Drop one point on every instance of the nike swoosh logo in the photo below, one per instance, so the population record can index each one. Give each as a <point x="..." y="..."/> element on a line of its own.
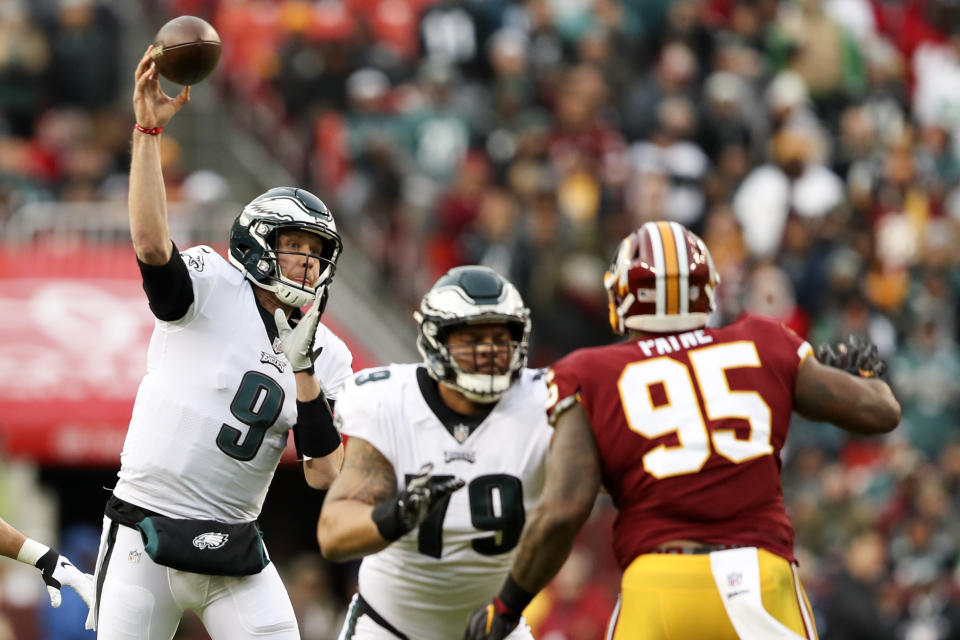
<point x="64" y="563"/>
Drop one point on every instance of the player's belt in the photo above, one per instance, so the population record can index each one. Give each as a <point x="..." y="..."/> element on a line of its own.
<point x="126" y="513"/>
<point x="702" y="549"/>
<point x="364" y="608"/>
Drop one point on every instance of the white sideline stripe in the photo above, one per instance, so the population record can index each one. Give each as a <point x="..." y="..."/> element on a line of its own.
<point x="808" y="628"/>
<point x="612" y="625"/>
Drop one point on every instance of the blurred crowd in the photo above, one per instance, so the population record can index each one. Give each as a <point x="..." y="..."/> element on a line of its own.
<point x="60" y="135"/>
<point x="812" y="143"/>
<point x="64" y="127"/>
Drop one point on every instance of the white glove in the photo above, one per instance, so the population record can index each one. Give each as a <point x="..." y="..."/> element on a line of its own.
<point x="57" y="571"/>
<point x="297" y="343"/>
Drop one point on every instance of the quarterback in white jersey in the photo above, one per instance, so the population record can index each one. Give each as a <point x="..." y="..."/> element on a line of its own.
<point x="217" y="402"/>
<point x="227" y="378"/>
<point x="472" y="417"/>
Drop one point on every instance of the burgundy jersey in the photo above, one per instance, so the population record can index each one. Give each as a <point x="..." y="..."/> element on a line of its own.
<point x="689" y="428"/>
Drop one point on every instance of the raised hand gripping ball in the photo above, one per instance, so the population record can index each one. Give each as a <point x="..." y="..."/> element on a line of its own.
<point x="186" y="50"/>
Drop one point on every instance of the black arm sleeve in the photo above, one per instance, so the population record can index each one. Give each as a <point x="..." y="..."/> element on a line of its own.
<point x="168" y="287"/>
<point x="314" y="434"/>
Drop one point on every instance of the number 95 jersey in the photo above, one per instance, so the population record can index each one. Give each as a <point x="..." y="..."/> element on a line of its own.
<point x="429" y="581"/>
<point x="689" y="428"/>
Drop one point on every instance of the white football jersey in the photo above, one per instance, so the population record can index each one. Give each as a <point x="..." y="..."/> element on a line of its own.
<point x="428" y="582"/>
<point x="213" y="411"/>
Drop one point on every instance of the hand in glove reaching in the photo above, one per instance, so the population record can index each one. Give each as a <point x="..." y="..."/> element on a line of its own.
<point x="297" y="342"/>
<point x="57" y="571"/>
<point x="406" y="510"/>
<point x="491" y="622"/>
<point x="856" y="355"/>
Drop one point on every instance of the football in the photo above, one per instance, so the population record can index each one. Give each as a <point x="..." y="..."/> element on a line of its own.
<point x="186" y="50"/>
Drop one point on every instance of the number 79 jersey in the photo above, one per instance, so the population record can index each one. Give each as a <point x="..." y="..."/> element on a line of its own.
<point x="689" y="428"/>
<point x="429" y="581"/>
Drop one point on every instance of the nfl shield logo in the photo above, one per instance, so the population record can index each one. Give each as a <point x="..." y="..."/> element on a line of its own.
<point x="277" y="346"/>
<point x="460" y="432"/>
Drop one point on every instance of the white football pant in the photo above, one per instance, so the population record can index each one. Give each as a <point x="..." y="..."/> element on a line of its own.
<point x="141" y="600"/>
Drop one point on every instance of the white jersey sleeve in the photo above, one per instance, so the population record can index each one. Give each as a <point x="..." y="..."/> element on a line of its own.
<point x="207" y="270"/>
<point x="360" y="407"/>
<point x="334" y="366"/>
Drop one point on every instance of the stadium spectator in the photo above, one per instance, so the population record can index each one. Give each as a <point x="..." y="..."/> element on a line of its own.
<point x="926" y="376"/>
<point x="793" y="184"/>
<point x="682" y="164"/>
<point x="852" y="607"/>
<point x="85" y="54"/>
<point x="24" y="63"/>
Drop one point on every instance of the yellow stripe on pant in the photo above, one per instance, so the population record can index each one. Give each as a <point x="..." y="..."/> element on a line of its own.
<point x="674" y="597"/>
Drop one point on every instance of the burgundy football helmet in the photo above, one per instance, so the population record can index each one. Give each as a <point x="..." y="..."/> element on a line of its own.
<point x="662" y="280"/>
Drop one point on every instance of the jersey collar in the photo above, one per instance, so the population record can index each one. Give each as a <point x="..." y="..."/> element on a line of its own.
<point x="270" y="324"/>
<point x="449" y="418"/>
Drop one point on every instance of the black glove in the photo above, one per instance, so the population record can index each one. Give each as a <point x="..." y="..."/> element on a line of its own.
<point x="406" y="510"/>
<point x="856" y="355"/>
<point x="492" y="622"/>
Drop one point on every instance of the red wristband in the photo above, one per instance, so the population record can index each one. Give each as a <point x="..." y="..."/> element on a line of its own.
<point x="150" y="132"/>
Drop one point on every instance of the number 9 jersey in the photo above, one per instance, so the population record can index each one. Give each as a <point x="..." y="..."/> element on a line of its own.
<point x="689" y="428"/>
<point x="213" y="411"/>
<point x="428" y="582"/>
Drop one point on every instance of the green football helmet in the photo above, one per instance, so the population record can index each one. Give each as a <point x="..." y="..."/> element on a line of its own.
<point x="465" y="296"/>
<point x="253" y="242"/>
